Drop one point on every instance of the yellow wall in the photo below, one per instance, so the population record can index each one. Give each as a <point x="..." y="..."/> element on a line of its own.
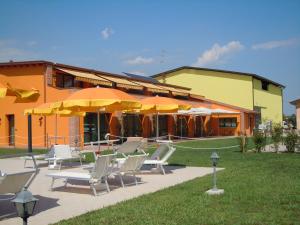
<point x="228" y="88"/>
<point x="270" y="101"/>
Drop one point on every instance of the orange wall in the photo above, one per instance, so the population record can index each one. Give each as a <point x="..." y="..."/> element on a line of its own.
<point x="224" y="131"/>
<point x="28" y="77"/>
<point x="24" y="78"/>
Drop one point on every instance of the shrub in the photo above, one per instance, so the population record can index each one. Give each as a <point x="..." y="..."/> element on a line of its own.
<point x="276" y="134"/>
<point x="243" y="142"/>
<point x="290" y="141"/>
<point x="259" y="140"/>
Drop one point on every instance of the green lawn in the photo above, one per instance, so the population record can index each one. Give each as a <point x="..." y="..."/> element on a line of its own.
<point x="259" y="189"/>
<point x="11" y="151"/>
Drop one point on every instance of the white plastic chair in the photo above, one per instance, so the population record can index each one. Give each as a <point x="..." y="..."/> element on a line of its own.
<point x="99" y="173"/>
<point x="62" y="153"/>
<point x="131" y="165"/>
<point x="160" y="157"/>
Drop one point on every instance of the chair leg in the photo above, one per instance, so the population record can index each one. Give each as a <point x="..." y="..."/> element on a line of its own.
<point x="106" y="183"/>
<point x="121" y="179"/>
<point x="94" y="189"/>
<point x="66" y="182"/>
<point x="162" y="169"/>
<point x="135" y="180"/>
<point x="52" y="183"/>
<point x="25" y="163"/>
<point x="80" y="160"/>
<point x="60" y="165"/>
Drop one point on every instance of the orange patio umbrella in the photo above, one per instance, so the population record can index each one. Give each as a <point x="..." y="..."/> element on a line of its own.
<point x="48" y="109"/>
<point x="99" y="99"/>
<point x="159" y="104"/>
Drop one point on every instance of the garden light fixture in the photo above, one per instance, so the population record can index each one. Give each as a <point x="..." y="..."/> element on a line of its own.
<point x="25" y="204"/>
<point x="215" y="191"/>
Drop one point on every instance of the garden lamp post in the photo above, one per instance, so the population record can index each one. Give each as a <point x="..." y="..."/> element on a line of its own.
<point x="215" y="191"/>
<point x="24" y="203"/>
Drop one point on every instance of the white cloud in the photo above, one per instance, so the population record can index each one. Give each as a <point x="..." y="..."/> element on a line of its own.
<point x="107" y="32"/>
<point x="275" y="44"/>
<point x="139" y="60"/>
<point x="217" y="53"/>
<point x="31" y="43"/>
<point x="8" y="51"/>
<point x="138" y="73"/>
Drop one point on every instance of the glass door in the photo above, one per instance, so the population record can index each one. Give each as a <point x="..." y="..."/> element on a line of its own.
<point x="91" y="126"/>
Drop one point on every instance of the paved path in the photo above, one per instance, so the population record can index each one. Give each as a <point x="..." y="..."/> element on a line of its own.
<point x="75" y="200"/>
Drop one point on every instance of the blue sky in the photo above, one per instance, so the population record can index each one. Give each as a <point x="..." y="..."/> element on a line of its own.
<point x="148" y="37"/>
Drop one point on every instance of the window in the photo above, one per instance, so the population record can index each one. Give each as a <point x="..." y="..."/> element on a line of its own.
<point x="265" y="85"/>
<point x="257" y="118"/>
<point x="181" y="97"/>
<point x="64" y="81"/>
<point x="227" y="122"/>
<point x="161" y="94"/>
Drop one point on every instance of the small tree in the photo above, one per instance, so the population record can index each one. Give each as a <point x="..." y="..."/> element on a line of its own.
<point x="290" y="141"/>
<point x="276" y="135"/>
<point x="243" y="142"/>
<point x="259" y="140"/>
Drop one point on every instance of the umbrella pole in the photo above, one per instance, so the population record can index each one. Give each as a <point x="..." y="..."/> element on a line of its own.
<point x="181" y="127"/>
<point x="55" y="138"/>
<point x="157" y="128"/>
<point x="122" y="128"/>
<point x="98" y="126"/>
<point x="29" y="119"/>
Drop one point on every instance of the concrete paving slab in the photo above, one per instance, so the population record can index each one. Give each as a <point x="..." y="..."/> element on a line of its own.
<point x="77" y="197"/>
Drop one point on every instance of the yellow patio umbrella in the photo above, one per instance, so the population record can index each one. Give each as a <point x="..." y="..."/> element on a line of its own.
<point x="99" y="99"/>
<point x="3" y="90"/>
<point x="159" y="104"/>
<point x="49" y="109"/>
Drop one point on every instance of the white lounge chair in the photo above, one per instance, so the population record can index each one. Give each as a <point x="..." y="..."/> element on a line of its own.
<point x="160" y="157"/>
<point x="130" y="146"/>
<point x="131" y="165"/>
<point x="49" y="154"/>
<point x="14" y="182"/>
<point x="99" y="173"/>
<point x="62" y="153"/>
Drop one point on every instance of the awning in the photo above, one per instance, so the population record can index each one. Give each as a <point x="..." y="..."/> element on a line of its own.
<point x="196" y="96"/>
<point x="205" y="111"/>
<point x="152" y="87"/>
<point x="175" y="91"/>
<point x="223" y="111"/>
<point x="26" y="94"/>
<point x="21" y="94"/>
<point x="3" y="90"/>
<point x="123" y="82"/>
<point x="87" y="77"/>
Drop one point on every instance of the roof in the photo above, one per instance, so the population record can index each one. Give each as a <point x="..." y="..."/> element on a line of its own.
<point x="141" y="78"/>
<point x="106" y="78"/>
<point x="218" y="70"/>
<point x="131" y="77"/>
<point x="295" y="102"/>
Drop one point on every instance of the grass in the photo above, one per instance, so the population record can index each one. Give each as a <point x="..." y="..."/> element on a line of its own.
<point x="259" y="189"/>
<point x="11" y="151"/>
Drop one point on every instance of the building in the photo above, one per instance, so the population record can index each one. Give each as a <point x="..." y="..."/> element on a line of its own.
<point x="32" y="83"/>
<point x="245" y="90"/>
<point x="296" y="103"/>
